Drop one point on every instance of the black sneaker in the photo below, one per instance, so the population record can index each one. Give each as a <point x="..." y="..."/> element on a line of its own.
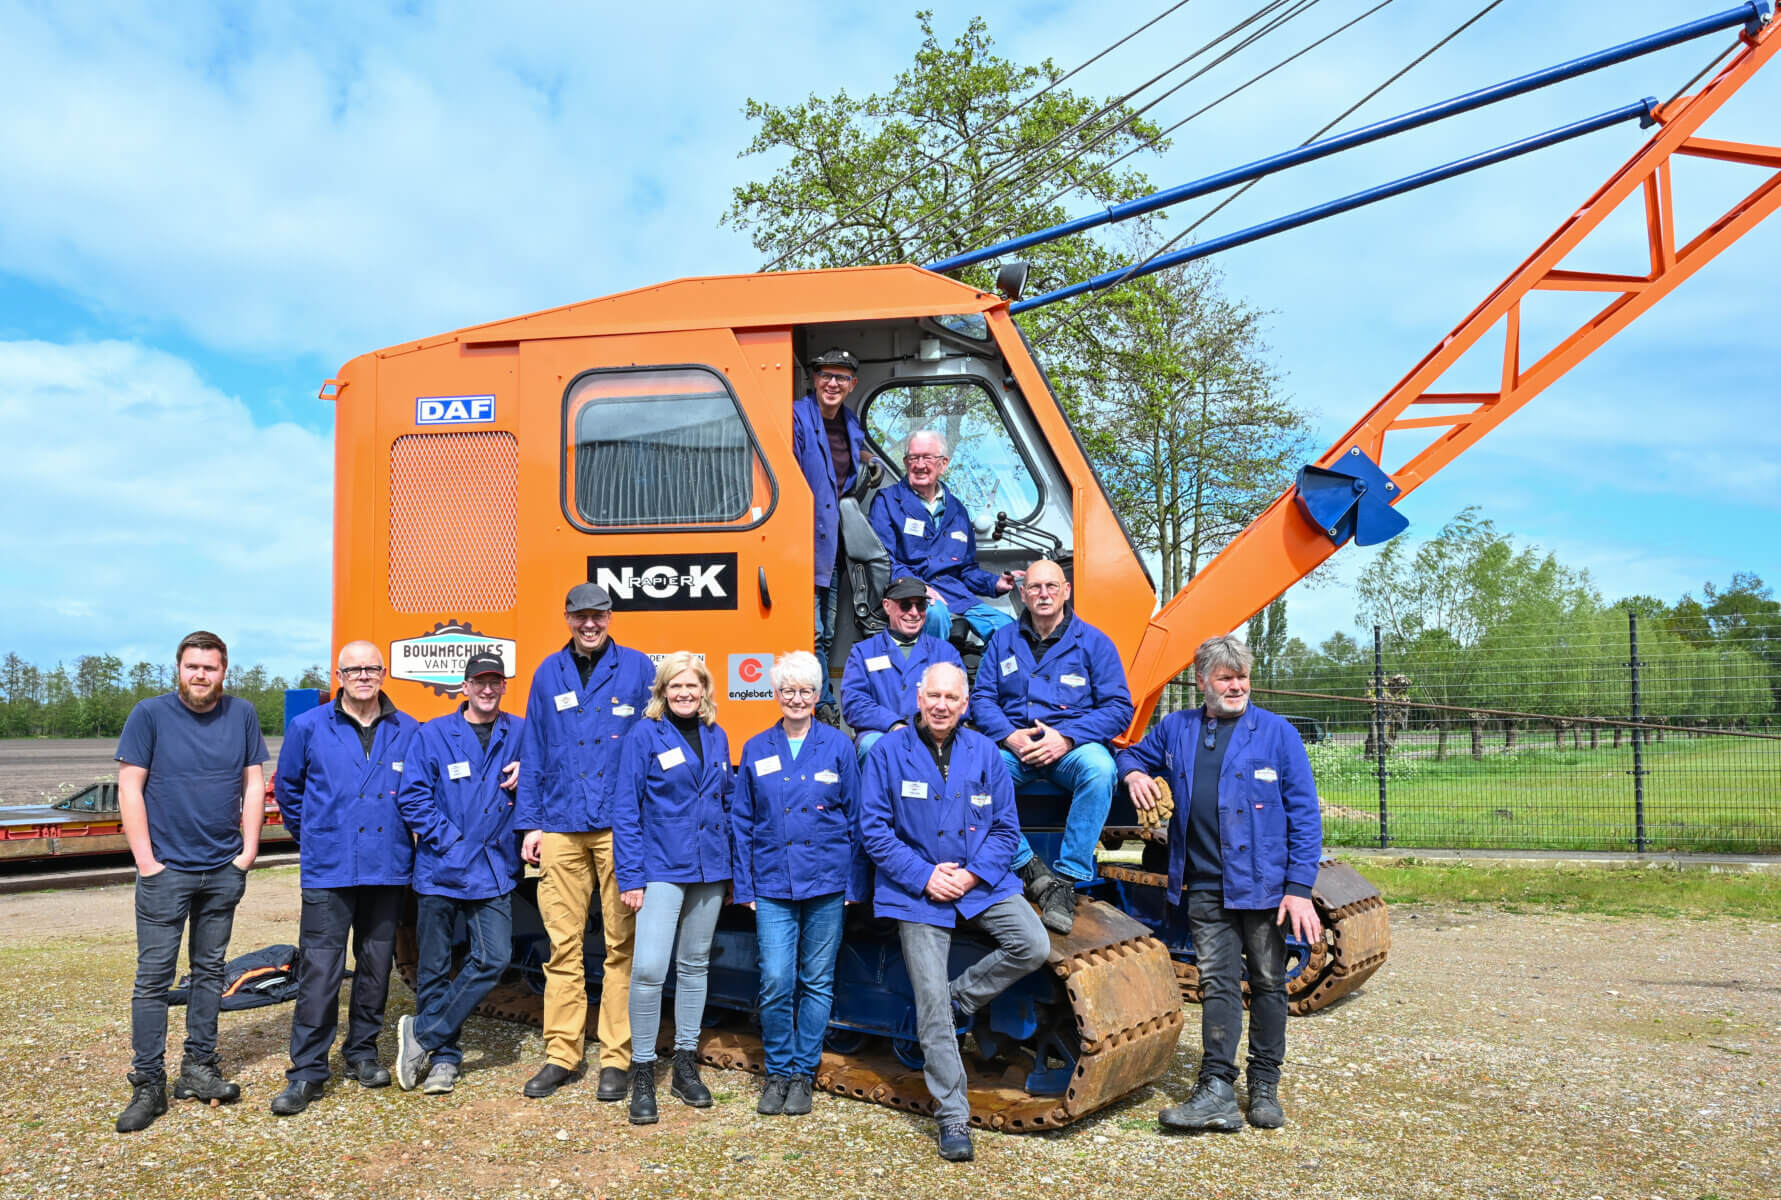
<point x="686" y="1083"/>
<point x="1211" y="1109"/>
<point x="201" y="1080"/>
<point x="1264" y="1104"/>
<point x="643" y="1093"/>
<point x="955" y="1142"/>
<point x="1035" y="878"/>
<point x="147" y="1101"/>
<point x="549" y="1078"/>
<point x="773" y="1096"/>
<point x="828" y="714"/>
<point x="367" y="1072"/>
<point x="797" y="1096"/>
<point x="295" y="1098"/>
<point x="1057" y="909"/>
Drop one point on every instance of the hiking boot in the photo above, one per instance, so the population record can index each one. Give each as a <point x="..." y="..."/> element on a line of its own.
<point x="550" y="1077"/>
<point x="295" y="1098"/>
<point x="955" y="1142"/>
<point x="614" y="1083"/>
<point x="368" y="1073"/>
<point x="1211" y="1109"/>
<point x="200" y="1080"/>
<point x="147" y="1101"/>
<point x="411" y="1056"/>
<point x="829" y="715"/>
<point x="643" y="1093"/>
<point x="441" y="1079"/>
<point x="1264" y="1104"/>
<point x="773" y="1096"/>
<point x="797" y="1096"/>
<point x="686" y="1083"/>
<point x="1057" y="909"/>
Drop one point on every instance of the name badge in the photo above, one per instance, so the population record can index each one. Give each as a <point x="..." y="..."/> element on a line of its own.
<point x="1266" y="774"/>
<point x="914" y="528"/>
<point x="1010" y="665"/>
<point x="671" y="758"/>
<point x="458" y="770"/>
<point x="564" y="700"/>
<point x="623" y="710"/>
<point x="878" y="662"/>
<point x="826" y="777"/>
<point x="1071" y="680"/>
<point x="767" y="765"/>
<point x="915" y="789"/>
<point x="958" y="535"/>
<point x="396" y="766"/>
<point x="981" y="799"/>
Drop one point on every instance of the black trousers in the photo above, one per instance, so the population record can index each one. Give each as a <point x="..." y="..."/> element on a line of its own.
<point x="1227" y="940"/>
<point x="369" y="915"/>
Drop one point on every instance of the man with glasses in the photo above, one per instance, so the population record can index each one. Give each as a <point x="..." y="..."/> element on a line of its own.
<point x="831" y="448"/>
<point x="1052" y="690"/>
<point x="878" y="688"/>
<point x="1244" y="842"/>
<point x="929" y="536"/>
<point x="338" y="773"/>
<point x="584" y="699"/>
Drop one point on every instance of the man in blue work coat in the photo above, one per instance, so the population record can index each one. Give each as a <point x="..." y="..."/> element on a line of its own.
<point x="1052" y="691"/>
<point x="1244" y="842"/>
<point x="831" y="450"/>
<point x="584" y="699"/>
<point x="457" y="798"/>
<point x="884" y="671"/>
<point x="336" y="783"/>
<point x="937" y="818"/>
<point x="929" y="535"/>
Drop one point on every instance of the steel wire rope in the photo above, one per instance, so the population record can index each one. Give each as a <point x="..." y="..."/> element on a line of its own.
<point x="1058" y="82"/>
<point x="921" y="226"/>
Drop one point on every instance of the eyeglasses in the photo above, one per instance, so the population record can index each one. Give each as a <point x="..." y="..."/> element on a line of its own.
<point x="484" y="685"/>
<point x="360" y="672"/>
<point x="833" y="377"/>
<point x="912" y="459"/>
<point x="1044" y="589"/>
<point x="797" y="693"/>
<point x="919" y="604"/>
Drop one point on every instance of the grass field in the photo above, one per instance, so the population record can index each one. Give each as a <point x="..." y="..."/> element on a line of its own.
<point x="1643" y="890"/>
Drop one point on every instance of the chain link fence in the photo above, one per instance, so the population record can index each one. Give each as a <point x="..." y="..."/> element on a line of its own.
<point x="1633" y="734"/>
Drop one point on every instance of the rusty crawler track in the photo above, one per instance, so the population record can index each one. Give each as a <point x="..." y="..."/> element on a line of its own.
<point x="1123" y="995"/>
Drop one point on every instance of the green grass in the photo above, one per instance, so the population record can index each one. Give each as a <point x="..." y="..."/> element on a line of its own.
<point x="1704" y="795"/>
<point x="1631" y="890"/>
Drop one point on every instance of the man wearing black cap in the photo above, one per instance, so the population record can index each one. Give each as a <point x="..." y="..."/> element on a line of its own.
<point x="878" y="688"/>
<point x="830" y="445"/>
<point x="584" y="699"/>
<point x="456" y="799"/>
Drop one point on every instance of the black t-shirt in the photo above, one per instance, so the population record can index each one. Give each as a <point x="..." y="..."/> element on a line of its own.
<point x="1205" y="861"/>
<point x="840" y="448"/>
<point x="584" y="663"/>
<point x="194" y="762"/>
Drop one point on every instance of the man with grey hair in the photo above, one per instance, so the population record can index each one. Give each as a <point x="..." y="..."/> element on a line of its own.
<point x="1244" y="842"/>
<point x="929" y="536"/>
<point x="937" y="816"/>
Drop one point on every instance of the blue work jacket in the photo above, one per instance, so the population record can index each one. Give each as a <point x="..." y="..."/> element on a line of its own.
<point x="467" y="846"/>
<point x="1270" y="830"/>
<point x="670" y="812"/>
<point x="911" y="820"/>
<point x="810" y="443"/>
<point x="1079" y="689"/>
<point x="878" y="685"/>
<point x="941" y="553"/>
<point x="340" y="806"/>
<point x="796" y="820"/>
<point x="573" y="737"/>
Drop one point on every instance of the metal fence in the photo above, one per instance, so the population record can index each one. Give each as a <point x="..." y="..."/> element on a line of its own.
<point x="1647" y="735"/>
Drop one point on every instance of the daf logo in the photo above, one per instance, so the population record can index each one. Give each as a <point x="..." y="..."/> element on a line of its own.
<point x="666" y="582"/>
<point x="454" y="410"/>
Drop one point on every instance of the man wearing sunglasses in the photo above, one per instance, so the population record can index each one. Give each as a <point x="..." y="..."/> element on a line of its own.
<point x="878" y="688"/>
<point x="1052" y="690"/>
<point x="338" y="773"/>
<point x="1244" y="842"/>
<point x="830" y="447"/>
<point x="929" y="536"/>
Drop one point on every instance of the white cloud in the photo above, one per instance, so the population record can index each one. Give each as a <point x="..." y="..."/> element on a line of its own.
<point x="144" y="504"/>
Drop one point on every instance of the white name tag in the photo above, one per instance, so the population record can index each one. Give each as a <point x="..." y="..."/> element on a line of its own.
<point x="914" y="528"/>
<point x="878" y="662"/>
<point x="981" y="799"/>
<point x="671" y="758"/>
<point x="1071" y="680"/>
<point x="915" y="789"/>
<point x="958" y="535"/>
<point x="767" y="765"/>
<point x="458" y="770"/>
<point x="564" y="700"/>
<point x="826" y="777"/>
<point x="1266" y="774"/>
<point x="1010" y="665"/>
<point x="396" y="766"/>
<point x="623" y="710"/>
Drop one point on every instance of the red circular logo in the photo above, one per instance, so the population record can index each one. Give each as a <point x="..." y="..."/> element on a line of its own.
<point x="750" y="670"/>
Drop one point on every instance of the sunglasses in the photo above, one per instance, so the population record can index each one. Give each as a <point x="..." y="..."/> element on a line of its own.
<point x="1211" y="740"/>
<point x="919" y="604"/>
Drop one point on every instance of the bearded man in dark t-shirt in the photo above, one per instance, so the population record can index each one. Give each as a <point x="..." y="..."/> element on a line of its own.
<point x="191" y="792"/>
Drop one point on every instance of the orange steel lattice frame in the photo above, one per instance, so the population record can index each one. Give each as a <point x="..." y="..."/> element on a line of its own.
<point x="1281" y="547"/>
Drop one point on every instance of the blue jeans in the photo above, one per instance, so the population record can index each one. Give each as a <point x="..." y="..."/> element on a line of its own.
<point x="680" y="918"/>
<point x="1087" y="773"/>
<point x="165" y="903"/>
<point x="828" y="600"/>
<point x="443" y="1002"/>
<point x="982" y="617"/>
<point x="1225" y="941"/>
<point x="798" y="941"/>
<point x="867" y="740"/>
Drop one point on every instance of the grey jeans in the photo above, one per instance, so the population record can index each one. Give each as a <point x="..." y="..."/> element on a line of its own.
<point x="166" y="903"/>
<point x="690" y="908"/>
<point x="1021" y="946"/>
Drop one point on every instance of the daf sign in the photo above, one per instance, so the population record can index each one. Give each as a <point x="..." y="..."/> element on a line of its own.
<point x="454" y="410"/>
<point x="666" y="582"/>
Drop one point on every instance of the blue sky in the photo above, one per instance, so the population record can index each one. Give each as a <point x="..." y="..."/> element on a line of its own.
<point x="209" y="207"/>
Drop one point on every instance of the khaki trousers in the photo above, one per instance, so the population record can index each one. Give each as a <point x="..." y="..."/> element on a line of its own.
<point x="572" y="867"/>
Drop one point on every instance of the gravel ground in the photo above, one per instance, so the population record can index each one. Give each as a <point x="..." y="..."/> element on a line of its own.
<point x="1498" y="1054"/>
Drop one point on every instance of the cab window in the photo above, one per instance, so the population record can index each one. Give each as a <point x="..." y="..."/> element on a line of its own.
<point x="987" y="472"/>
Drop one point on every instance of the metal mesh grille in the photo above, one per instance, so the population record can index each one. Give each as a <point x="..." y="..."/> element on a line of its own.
<point x="452" y="518"/>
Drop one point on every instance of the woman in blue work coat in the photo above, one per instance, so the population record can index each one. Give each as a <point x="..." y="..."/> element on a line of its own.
<point x="798" y="860"/>
<point x="670" y="809"/>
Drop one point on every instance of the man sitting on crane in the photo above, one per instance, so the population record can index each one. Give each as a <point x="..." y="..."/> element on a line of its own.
<point x="884" y="671"/>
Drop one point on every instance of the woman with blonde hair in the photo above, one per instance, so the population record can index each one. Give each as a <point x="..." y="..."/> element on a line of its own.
<point x="671" y="842"/>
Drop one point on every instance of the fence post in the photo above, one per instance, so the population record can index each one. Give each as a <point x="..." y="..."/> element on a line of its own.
<point x="1379" y="733"/>
<point x="1640" y="842"/>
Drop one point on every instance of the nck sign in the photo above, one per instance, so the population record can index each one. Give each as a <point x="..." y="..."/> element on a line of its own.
<point x="666" y="582"/>
<point x="454" y="410"/>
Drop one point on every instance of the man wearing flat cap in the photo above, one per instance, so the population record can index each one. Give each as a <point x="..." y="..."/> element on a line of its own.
<point x="883" y="675"/>
<point x="584" y="699"/>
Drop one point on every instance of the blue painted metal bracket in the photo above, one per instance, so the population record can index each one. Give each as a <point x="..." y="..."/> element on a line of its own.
<point x="1351" y="498"/>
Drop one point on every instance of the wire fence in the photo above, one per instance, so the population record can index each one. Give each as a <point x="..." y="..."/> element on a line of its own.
<point x="1658" y="735"/>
